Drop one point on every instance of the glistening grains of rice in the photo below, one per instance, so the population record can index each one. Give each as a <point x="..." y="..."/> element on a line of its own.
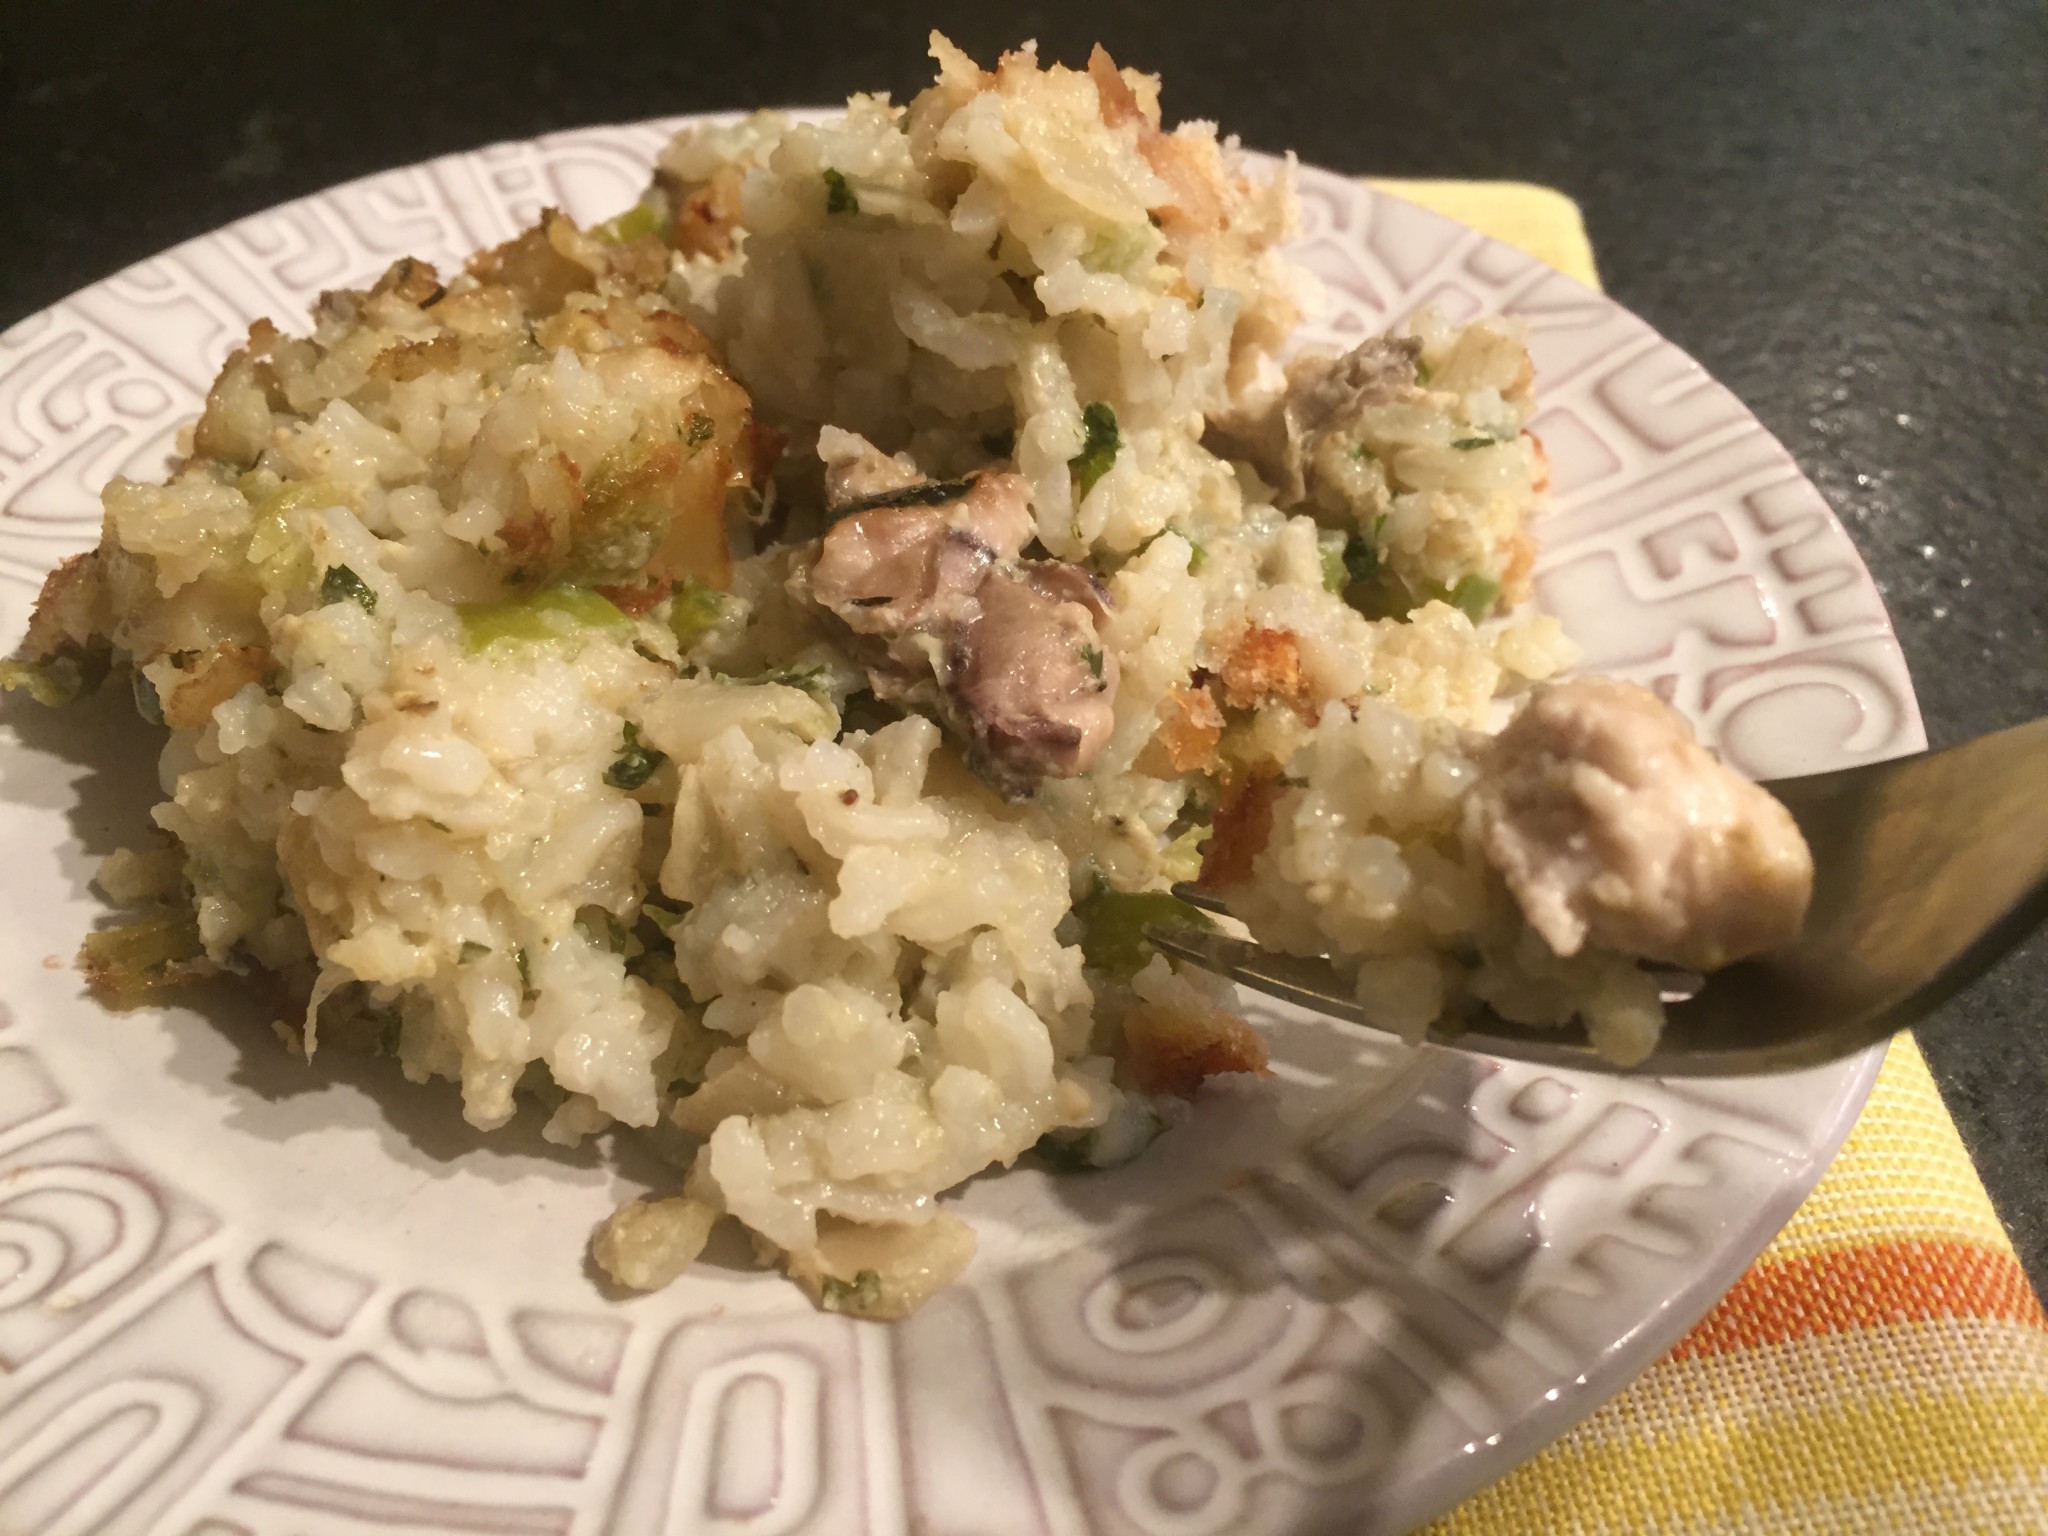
<point x="754" y="666"/>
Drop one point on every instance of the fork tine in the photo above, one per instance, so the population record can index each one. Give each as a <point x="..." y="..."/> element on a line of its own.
<point x="1313" y="983"/>
<point x="1195" y="896"/>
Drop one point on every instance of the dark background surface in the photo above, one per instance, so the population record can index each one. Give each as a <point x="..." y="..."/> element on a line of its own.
<point x="1838" y="208"/>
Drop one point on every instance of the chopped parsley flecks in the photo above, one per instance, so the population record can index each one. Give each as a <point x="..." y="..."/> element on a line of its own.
<point x="1065" y="1151"/>
<point x="635" y="764"/>
<point x="1099" y="444"/>
<point x="811" y="679"/>
<point x="932" y="493"/>
<point x="603" y="930"/>
<point x="1197" y="555"/>
<point x="839" y="196"/>
<point x="1355" y="560"/>
<point x="1361" y="557"/>
<point x="863" y="1293"/>
<point x="342" y="585"/>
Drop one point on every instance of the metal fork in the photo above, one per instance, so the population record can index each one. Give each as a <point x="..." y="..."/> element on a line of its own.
<point x="1927" y="870"/>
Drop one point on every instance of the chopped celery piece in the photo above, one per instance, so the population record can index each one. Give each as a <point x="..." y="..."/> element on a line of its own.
<point x="128" y="966"/>
<point x="1183" y="857"/>
<point x="1113" y="925"/>
<point x="549" y="615"/>
<point x="1474" y="596"/>
<point x="1118" y="250"/>
<point x="662" y="917"/>
<point x="59" y="679"/>
<point x="693" y="609"/>
<point x="1331" y="548"/>
<point x="640" y="220"/>
<point x="283" y="560"/>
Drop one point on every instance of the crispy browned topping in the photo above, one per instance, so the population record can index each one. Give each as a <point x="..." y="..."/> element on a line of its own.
<point x="411" y="279"/>
<point x="1243" y="827"/>
<point x="541" y="265"/>
<point x="1173" y="1049"/>
<point x="416" y="359"/>
<point x="1190" y="726"/>
<point x="72" y="609"/>
<point x="1264" y="668"/>
<point x="706" y="217"/>
<point x="212" y="680"/>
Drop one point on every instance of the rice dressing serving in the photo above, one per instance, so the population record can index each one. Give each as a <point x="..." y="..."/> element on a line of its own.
<point x="750" y="670"/>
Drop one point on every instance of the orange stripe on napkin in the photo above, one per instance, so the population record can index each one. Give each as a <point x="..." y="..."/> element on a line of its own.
<point x="1864" y="1287"/>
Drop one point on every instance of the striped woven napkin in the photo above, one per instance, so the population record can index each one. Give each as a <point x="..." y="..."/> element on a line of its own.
<point x="1883" y="1367"/>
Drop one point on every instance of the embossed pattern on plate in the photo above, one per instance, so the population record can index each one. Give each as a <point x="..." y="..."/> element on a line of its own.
<point x="236" y="1299"/>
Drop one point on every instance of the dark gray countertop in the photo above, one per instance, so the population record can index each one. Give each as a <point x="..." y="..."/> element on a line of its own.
<point x="1837" y="208"/>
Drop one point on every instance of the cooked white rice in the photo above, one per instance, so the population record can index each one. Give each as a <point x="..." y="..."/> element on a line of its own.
<point x="663" y="857"/>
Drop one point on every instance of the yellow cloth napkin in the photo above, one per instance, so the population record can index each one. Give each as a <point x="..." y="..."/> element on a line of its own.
<point x="1882" y="1368"/>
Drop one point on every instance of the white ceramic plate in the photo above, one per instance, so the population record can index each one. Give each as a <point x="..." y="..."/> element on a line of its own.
<point x="238" y="1295"/>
